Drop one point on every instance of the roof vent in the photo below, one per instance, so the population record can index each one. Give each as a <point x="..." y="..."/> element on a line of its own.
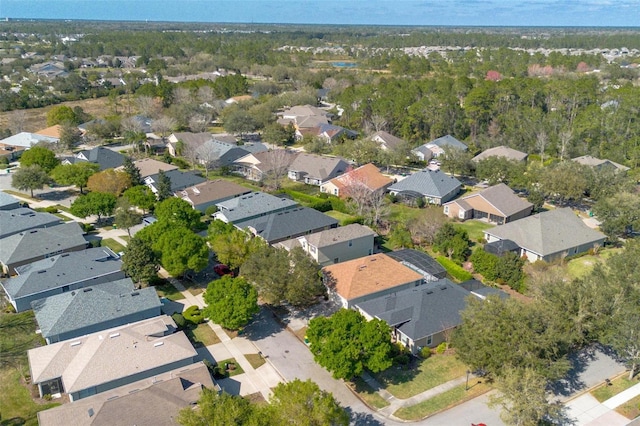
<point x="85" y="290"/>
<point x="158" y="344"/>
<point x="114" y="335"/>
<point x="64" y="255"/>
<point x="429" y="291"/>
<point x="91" y="412"/>
<point x="443" y="287"/>
<point x="135" y="293"/>
<point x="42" y="272"/>
<point x="76" y="343"/>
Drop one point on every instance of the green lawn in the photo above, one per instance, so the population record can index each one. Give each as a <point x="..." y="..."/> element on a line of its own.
<point x="581" y="266"/>
<point x="168" y="291"/>
<point x="631" y="408"/>
<point x="234" y="372"/>
<point x="403" y="213"/>
<point x="441" y="402"/>
<point x="17" y="406"/>
<point x="367" y="394"/>
<point x="429" y="373"/>
<point x="255" y="360"/>
<point x="342" y="217"/>
<point x="112" y="244"/>
<point x="205" y="335"/>
<point x="474" y="228"/>
<point x="605" y="392"/>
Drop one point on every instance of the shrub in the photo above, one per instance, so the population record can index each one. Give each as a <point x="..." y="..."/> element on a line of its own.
<point x="323" y="195"/>
<point x="87" y="227"/>
<point x="338" y="204"/>
<point x="351" y="220"/>
<point x="193" y="314"/>
<point x="484" y="263"/>
<point x="322" y="206"/>
<point x="180" y="321"/>
<point x="47" y="397"/>
<point x="211" y="210"/>
<point x="182" y="164"/>
<point x="94" y="243"/>
<point x="402" y="359"/>
<point x="454" y="269"/>
<point x="425" y="352"/>
<point x="442" y="347"/>
<point x="210" y="366"/>
<point x="9" y="309"/>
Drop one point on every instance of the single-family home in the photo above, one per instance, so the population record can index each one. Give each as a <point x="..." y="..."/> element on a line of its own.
<point x="179" y="180"/>
<point x="149" y="167"/>
<point x="27" y="140"/>
<point x="387" y="141"/>
<point x="103" y="157"/>
<point x="599" y="164"/>
<point x="216" y="154"/>
<point x="35" y="244"/>
<point x="335" y="245"/>
<point x="301" y="113"/>
<point x="354" y="181"/>
<point x="438" y="147"/>
<point x="356" y="281"/>
<point x="419" y="317"/>
<point x="496" y="204"/>
<point x="503" y="152"/>
<point x="52" y="131"/>
<point x="91" y="309"/>
<point x="253" y="205"/>
<point x="433" y="185"/>
<point x="153" y="401"/>
<point x="549" y="235"/>
<point x="8" y="202"/>
<point x="260" y="165"/>
<point x="211" y="192"/>
<point x="99" y="362"/>
<point x="24" y="219"/>
<point x="60" y="274"/>
<point x="179" y="143"/>
<point x="286" y="224"/>
<point x="420" y="262"/>
<point x="315" y="169"/>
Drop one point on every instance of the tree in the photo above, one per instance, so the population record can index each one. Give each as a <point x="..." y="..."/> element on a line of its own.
<point x="180" y="250"/>
<point x="231" y="302"/>
<point x="457" y="161"/>
<point x="453" y="242"/>
<point x="77" y="174"/>
<point x="619" y="214"/>
<point x="279" y="135"/>
<point x="94" y="203"/>
<point x="523" y="398"/>
<point x="163" y="186"/>
<point x="140" y="196"/>
<point x="109" y="181"/>
<point x="132" y="171"/>
<point x="565" y="181"/>
<point x="220" y="409"/>
<point x="238" y="121"/>
<point x="268" y="270"/>
<point x="304" y="285"/>
<point x="177" y="211"/>
<point x="304" y="404"/>
<point x="278" y="161"/>
<point x="623" y="334"/>
<point x="232" y="246"/>
<point x="125" y="217"/>
<point x="400" y="237"/>
<point x="29" y="178"/>
<point x="61" y="114"/>
<point x="346" y="343"/>
<point x="41" y="156"/>
<point x="70" y="136"/>
<point x="139" y="261"/>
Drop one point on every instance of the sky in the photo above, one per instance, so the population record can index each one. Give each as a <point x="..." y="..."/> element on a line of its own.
<point x="605" y="13"/>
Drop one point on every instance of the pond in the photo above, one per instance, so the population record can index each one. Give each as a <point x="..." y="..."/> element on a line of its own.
<point x="344" y="64"/>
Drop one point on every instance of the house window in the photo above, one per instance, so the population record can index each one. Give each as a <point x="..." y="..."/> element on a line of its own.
<point x="350" y="243"/>
<point x="429" y="340"/>
<point x="336" y="260"/>
<point x="312" y="249"/>
<point x="446" y="209"/>
<point x="335" y="191"/>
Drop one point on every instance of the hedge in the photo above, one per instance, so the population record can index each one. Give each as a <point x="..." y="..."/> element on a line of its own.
<point x="455" y="270"/>
<point x="193" y="314"/>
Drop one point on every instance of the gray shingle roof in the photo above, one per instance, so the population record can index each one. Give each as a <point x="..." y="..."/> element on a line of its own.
<point x="289" y="223"/>
<point x="421" y="311"/>
<point x="419" y="261"/>
<point x="333" y="236"/>
<point x="40" y="242"/>
<point x="501" y="151"/>
<point x="61" y="270"/>
<point x="428" y="183"/>
<point x="547" y="233"/>
<point x="590" y="161"/>
<point x="448" y="141"/>
<point x="76" y="310"/>
<point x="23" y="219"/>
<point x="318" y="167"/>
<point x="8" y="202"/>
<point x="104" y="157"/>
<point x="390" y="141"/>
<point x="252" y="205"/>
<point x="179" y="179"/>
<point x="502" y="198"/>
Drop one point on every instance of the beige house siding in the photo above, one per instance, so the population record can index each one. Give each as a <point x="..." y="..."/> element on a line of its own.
<point x="343" y="251"/>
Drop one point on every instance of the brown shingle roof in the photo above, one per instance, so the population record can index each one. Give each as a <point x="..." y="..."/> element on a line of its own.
<point x="149" y="166"/>
<point x="214" y="190"/>
<point x="53" y="131"/>
<point x="369" y="175"/>
<point x="367" y="275"/>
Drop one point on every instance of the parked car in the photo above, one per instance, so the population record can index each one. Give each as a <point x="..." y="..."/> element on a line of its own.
<point x="222" y="269"/>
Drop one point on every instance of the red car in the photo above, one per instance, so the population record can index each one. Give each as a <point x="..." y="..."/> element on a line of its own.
<point x="222" y="269"/>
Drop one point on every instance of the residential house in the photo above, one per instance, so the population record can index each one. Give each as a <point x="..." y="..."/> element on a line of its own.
<point x="335" y="245"/>
<point x="481" y="291"/>
<point x="387" y="141"/>
<point x="286" y="224"/>
<point x="422" y="153"/>
<point x="438" y="147"/>
<point x="548" y="236"/>
<point x="315" y="169"/>
<point x="52" y="131"/>
<point x="420" y="262"/>
<point x="27" y="140"/>
<point x="212" y="192"/>
<point x="433" y="185"/>
<point x="261" y="165"/>
<point x="598" y="164"/>
<point x="49" y="70"/>
<point x="497" y="204"/>
<point x="8" y="202"/>
<point x="111" y="358"/>
<point x="149" y="167"/>
<point x="216" y="154"/>
<point x="60" y="274"/>
<point x="23" y="219"/>
<point x="253" y="205"/>
<point x="419" y="317"/>
<point x="301" y="113"/>
<point x="250" y="206"/>
<point x="11" y="152"/>
<point x="190" y="141"/>
<point x="503" y="152"/>
<point x="366" y="177"/>
<point x="35" y="244"/>
<point x="327" y="132"/>
<point x="153" y="401"/>
<point x="179" y="180"/>
<point x="91" y="309"/>
<point x="105" y="158"/>
<point x="356" y="281"/>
